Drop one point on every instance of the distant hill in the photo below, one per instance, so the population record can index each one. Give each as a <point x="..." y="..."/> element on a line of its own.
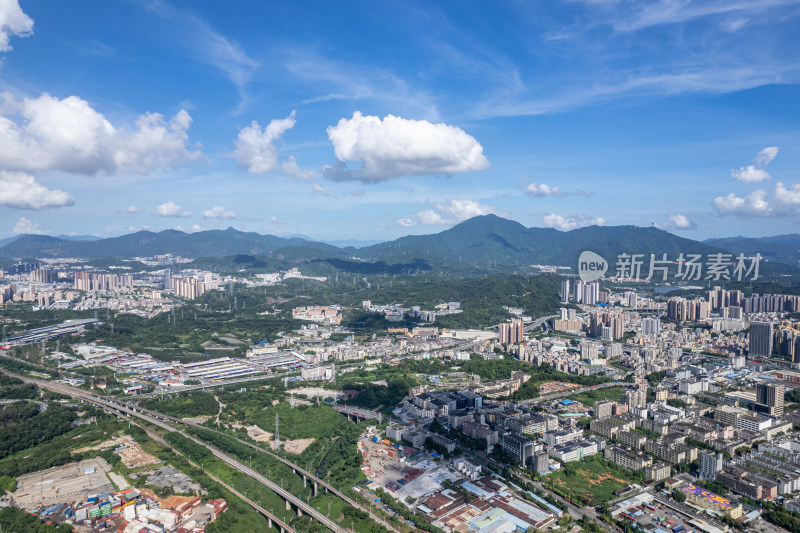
<point x="78" y="237"/>
<point x="780" y="248"/>
<point x="212" y="243"/>
<point x="485" y="239"/>
<point x="483" y="243"/>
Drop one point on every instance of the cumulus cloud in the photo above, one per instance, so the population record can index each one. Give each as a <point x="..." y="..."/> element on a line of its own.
<point x="13" y="21"/>
<point x="787" y="200"/>
<point x="25" y="226"/>
<point x="47" y="133"/>
<point x="406" y="222"/>
<point x="570" y="222"/>
<point x="256" y="150"/>
<point x="753" y="204"/>
<point x="395" y="146"/>
<point x="682" y="222"/>
<point x="749" y="174"/>
<point x="22" y="191"/>
<point x="755" y="173"/>
<point x="133" y="209"/>
<point x="218" y="212"/>
<point x="542" y="190"/>
<point x="452" y="212"/>
<point x="171" y="209"/>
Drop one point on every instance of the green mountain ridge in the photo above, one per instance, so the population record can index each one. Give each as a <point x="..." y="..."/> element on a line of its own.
<point x="482" y="243"/>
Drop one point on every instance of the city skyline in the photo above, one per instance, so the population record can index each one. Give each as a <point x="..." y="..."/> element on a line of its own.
<point x="340" y="121"/>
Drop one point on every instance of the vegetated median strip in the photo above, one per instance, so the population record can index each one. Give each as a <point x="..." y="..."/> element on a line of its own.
<point x="302" y="472"/>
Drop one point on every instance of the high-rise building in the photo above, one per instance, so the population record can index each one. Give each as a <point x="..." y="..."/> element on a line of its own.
<point x="651" y="326"/>
<point x="517" y="330"/>
<point x="578" y="291"/>
<point x="591" y="293"/>
<point x="505" y="333"/>
<point x="710" y="464"/>
<point x="770" y="398"/>
<point x="541" y="462"/>
<point x="43" y="275"/>
<point x="634" y="398"/>
<point x="565" y="290"/>
<point x="760" y="342"/>
<point x="603" y="409"/>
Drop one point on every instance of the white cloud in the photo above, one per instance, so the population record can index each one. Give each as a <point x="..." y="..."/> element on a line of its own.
<point x="25" y="225"/>
<point x="787" y="200"/>
<point x="319" y="189"/>
<point x="218" y="212"/>
<point x="430" y="218"/>
<point x="570" y="222"/>
<point x="676" y="12"/>
<point x="406" y="222"/>
<point x="171" y="209"/>
<point x="682" y="222"/>
<point x="753" y="204"/>
<point x="766" y="156"/>
<point x="255" y="148"/>
<point x="290" y="167"/>
<point x="207" y="45"/>
<point x="132" y="210"/>
<point x="13" y="21"/>
<point x="22" y="191"/>
<point x="156" y="144"/>
<point x="542" y="190"/>
<point x="46" y="133"/>
<point x="749" y="174"/>
<point x="452" y="212"/>
<point x="756" y="173"/>
<point x="395" y="146"/>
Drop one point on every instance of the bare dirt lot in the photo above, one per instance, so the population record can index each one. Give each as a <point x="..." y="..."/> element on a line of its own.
<point x="557" y="386"/>
<point x="297" y="446"/>
<point x="135" y="456"/>
<point x="63" y="483"/>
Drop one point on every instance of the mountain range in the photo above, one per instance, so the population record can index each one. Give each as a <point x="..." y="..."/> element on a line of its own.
<point x="479" y="242"/>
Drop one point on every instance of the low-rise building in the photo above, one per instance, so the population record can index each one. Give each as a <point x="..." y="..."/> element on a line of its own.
<point x="563" y="436"/>
<point x="705" y="499"/>
<point x="657" y="472"/>
<point x="625" y="458"/>
<point x="573" y="451"/>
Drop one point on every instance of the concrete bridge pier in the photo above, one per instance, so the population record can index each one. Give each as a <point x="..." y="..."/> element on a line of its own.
<point x="316" y="489"/>
<point x="288" y="506"/>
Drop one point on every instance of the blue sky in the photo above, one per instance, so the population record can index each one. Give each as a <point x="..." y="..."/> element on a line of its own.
<point x="360" y="120"/>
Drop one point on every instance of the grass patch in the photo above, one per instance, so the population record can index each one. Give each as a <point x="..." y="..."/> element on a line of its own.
<point x="591" y="482"/>
<point x="588" y="398"/>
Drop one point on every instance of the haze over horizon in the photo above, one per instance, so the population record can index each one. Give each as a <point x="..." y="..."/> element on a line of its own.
<point x="340" y="122"/>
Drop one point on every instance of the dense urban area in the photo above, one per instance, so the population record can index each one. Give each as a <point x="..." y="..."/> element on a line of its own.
<point x="154" y="395"/>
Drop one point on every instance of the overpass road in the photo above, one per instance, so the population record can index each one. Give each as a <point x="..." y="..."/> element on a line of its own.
<point x="158" y="420"/>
